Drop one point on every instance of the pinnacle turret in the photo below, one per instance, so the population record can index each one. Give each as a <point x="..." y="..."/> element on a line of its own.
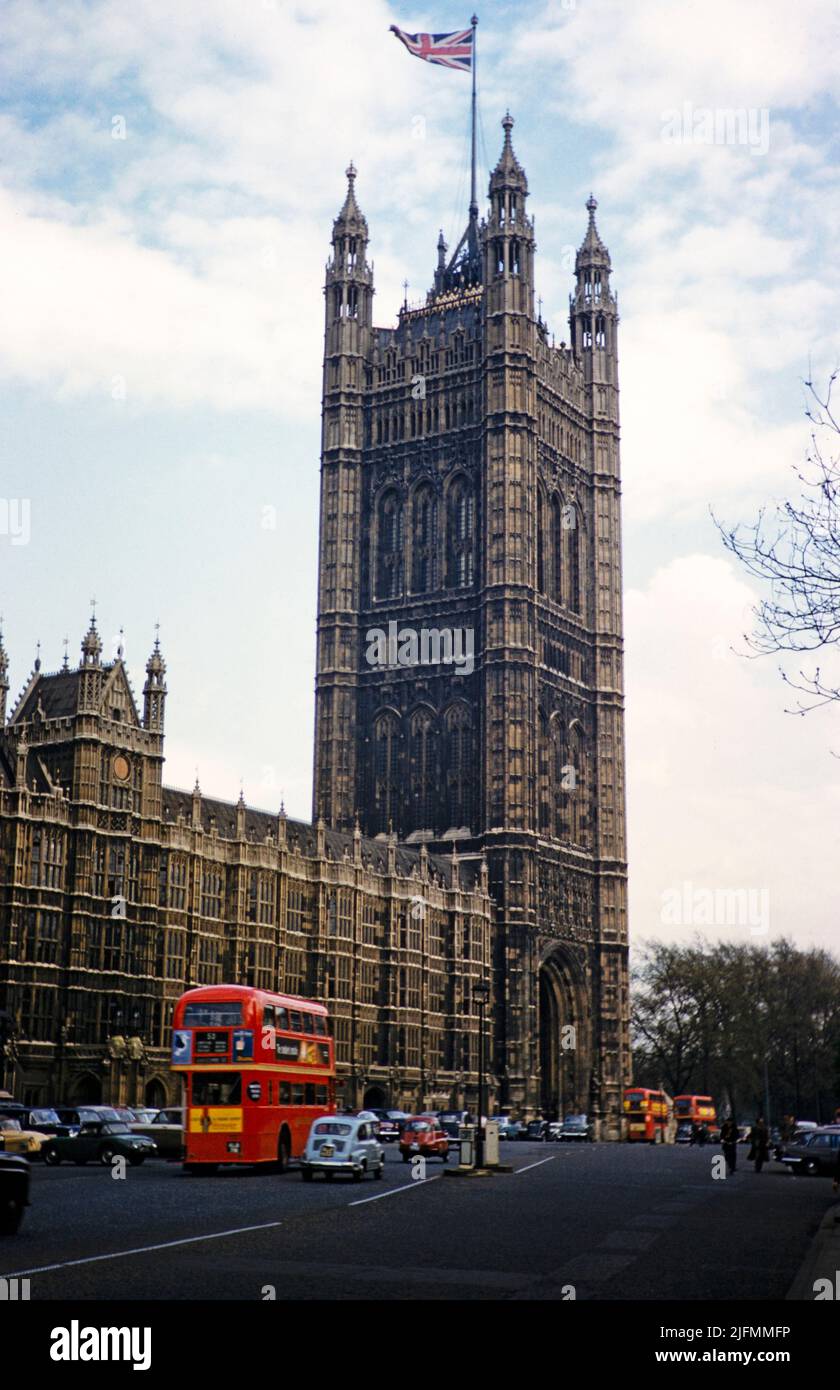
<point x="508" y="173"/>
<point x="91" y="645"/>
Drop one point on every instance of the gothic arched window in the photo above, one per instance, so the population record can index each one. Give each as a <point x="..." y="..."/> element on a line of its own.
<point x="459" y="771"/>
<point x="572" y="529"/>
<point x="389" y="564"/>
<point x="460" y="535"/>
<point x="541" y="585"/>
<point x="422" y="771"/>
<point x="386" y="765"/>
<point x="559" y="777"/>
<point x="577" y="789"/>
<point x="557" y="548"/>
<point x="424" y="565"/>
<point x="544" y="818"/>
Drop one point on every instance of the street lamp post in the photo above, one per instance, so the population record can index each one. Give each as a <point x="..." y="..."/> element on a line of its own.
<point x="481" y="991"/>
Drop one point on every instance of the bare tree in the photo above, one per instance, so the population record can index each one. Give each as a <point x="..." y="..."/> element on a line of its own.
<point x="797" y="550"/>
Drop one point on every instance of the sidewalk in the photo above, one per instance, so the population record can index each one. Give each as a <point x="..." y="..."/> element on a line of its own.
<point x="822" y="1260"/>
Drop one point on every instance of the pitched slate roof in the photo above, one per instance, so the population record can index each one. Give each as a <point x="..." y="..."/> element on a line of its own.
<point x="303" y="837"/>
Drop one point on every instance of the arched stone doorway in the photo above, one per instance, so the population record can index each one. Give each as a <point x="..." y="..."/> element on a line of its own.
<point x="374" y="1098"/>
<point x="564" y="1037"/>
<point x="155" y="1094"/>
<point x="87" y="1090"/>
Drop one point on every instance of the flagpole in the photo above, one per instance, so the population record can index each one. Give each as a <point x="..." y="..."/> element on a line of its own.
<point x="473" y="200"/>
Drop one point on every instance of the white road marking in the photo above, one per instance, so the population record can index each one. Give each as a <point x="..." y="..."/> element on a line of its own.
<point x="409" y="1187"/>
<point x="539" y="1163"/>
<point x="141" y="1250"/>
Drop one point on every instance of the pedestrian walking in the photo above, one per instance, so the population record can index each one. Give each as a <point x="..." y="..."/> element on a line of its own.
<point x="729" y="1143"/>
<point x="759" y="1144"/>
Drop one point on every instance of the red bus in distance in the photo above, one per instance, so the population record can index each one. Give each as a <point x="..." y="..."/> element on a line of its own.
<point x="700" y="1110"/>
<point x="646" y="1113"/>
<point x="257" y="1069"/>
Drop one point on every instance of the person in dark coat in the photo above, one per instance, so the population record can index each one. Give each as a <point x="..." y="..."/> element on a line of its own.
<point x="729" y="1143"/>
<point x="759" y="1144"/>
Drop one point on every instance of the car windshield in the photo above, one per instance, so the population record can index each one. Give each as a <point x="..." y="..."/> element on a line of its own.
<point x="417" y="1126"/>
<point x="332" y="1127"/>
<point x="44" y="1117"/>
<point x="6" y="1123"/>
<point x="575" y="1121"/>
<point x="168" y="1117"/>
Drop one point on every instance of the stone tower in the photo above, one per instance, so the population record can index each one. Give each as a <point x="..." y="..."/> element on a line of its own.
<point x="469" y="677"/>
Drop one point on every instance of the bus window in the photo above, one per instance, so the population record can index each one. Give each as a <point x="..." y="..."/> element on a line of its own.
<point x="217" y="1088"/>
<point x="294" y="1021"/>
<point x="320" y="1025"/>
<point x="284" y="1093"/>
<point x="271" y="1092"/>
<point x="297" y="1094"/>
<point x="212" y="1015"/>
<point x="268" y="1016"/>
<point x="282" y="1016"/>
<point x="310" y="1093"/>
<point x="320" y="1095"/>
<point x="308" y="1023"/>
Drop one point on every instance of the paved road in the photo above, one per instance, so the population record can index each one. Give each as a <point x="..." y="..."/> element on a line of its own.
<point x="613" y="1221"/>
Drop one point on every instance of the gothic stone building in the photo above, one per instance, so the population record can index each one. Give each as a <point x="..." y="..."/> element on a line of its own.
<point x="468" y="790"/>
<point x="470" y="503"/>
<point x="117" y="893"/>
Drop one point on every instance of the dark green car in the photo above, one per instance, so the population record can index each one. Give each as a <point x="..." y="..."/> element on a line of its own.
<point x="101" y="1140"/>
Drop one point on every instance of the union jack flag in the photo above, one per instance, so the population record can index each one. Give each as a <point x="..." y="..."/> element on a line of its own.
<point x="448" y="50"/>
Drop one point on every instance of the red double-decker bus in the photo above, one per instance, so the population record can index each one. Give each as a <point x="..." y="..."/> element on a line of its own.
<point x="700" y="1110"/>
<point x="646" y="1113"/>
<point x="257" y="1068"/>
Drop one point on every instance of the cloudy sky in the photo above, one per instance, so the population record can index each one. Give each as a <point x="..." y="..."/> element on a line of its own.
<point x="171" y="174"/>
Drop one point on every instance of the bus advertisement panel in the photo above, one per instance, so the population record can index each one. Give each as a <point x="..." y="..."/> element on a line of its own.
<point x="646" y="1113"/>
<point x="257" y="1069"/>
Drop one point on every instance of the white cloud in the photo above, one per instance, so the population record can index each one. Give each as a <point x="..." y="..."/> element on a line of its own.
<point x="726" y="789"/>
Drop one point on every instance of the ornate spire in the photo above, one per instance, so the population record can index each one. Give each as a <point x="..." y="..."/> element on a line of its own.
<point x="91" y="642"/>
<point x="508" y="173"/>
<point x="351" y="216"/>
<point x="592" y="251"/>
<point x="154" y="691"/>
<point x="156" y="666"/>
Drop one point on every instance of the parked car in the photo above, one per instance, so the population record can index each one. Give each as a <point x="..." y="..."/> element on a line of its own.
<point x="683" y="1134"/>
<point x="86" y="1114"/>
<point x="515" y="1129"/>
<point x="424" y="1135"/>
<point x="812" y="1151"/>
<point x="343" y="1144"/>
<point x="166" y="1130"/>
<point x="14" y="1192"/>
<point x="390" y="1124"/>
<point x="451" y="1121"/>
<point x="537" y="1129"/>
<point x="14" y="1139"/>
<point x="144" y="1115"/>
<point x="43" y="1119"/>
<point x="102" y="1140"/>
<point x="575" y="1129"/>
